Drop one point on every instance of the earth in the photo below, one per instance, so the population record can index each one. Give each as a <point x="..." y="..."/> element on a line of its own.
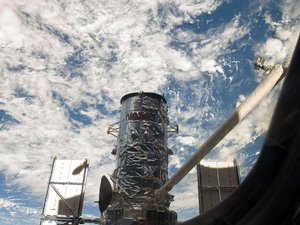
<point x="64" y="66"/>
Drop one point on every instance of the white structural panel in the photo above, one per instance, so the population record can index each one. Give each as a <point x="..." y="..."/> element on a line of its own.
<point x="216" y="181"/>
<point x="66" y="188"/>
<point x="217" y="164"/>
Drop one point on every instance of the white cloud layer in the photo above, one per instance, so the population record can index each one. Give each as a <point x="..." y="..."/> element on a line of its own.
<point x="16" y="213"/>
<point x="64" y="65"/>
<point x="278" y="48"/>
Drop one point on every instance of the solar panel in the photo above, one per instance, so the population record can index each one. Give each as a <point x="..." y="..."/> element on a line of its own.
<point x="216" y="181"/>
<point x="65" y="192"/>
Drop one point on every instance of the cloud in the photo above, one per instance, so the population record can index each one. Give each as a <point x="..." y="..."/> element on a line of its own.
<point x="273" y="46"/>
<point x="10" y="26"/>
<point x="210" y="65"/>
<point x="13" y="212"/>
<point x="194" y="8"/>
<point x="186" y="140"/>
<point x="280" y="48"/>
<point x="65" y="66"/>
<point x="186" y="197"/>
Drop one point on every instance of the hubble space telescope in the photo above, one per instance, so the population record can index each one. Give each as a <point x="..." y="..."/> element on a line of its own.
<point x="139" y="194"/>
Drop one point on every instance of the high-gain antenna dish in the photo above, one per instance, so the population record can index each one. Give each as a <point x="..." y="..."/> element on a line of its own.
<point x="105" y="194"/>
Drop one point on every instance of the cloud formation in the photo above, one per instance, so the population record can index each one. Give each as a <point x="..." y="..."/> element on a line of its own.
<point x="64" y="65"/>
<point x="15" y="213"/>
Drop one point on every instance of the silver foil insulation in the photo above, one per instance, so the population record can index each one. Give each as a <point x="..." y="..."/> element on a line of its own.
<point x="142" y="162"/>
<point x="142" y="152"/>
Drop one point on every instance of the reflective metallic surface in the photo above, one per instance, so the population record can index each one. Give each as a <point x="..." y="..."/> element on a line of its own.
<point x="142" y="157"/>
<point x="142" y="160"/>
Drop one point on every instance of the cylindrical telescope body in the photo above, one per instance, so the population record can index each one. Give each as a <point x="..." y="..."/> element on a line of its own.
<point x="142" y="162"/>
<point x="142" y="152"/>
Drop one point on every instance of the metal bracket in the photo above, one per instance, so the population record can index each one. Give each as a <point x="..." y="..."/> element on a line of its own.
<point x="114" y="131"/>
<point x="64" y="200"/>
<point x="259" y="65"/>
<point x="172" y="129"/>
